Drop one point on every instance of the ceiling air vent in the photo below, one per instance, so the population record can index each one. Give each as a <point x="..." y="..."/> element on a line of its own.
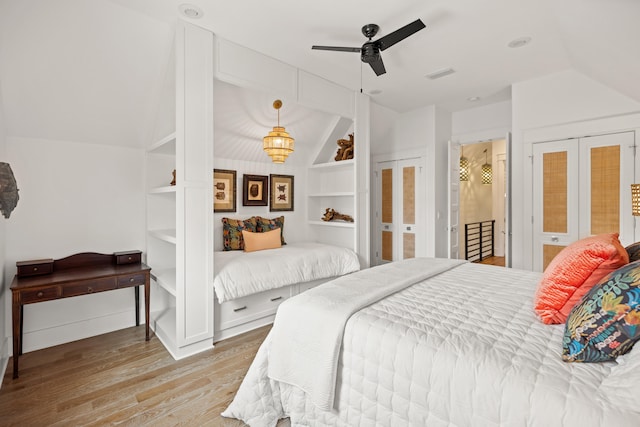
<point x="441" y="73"/>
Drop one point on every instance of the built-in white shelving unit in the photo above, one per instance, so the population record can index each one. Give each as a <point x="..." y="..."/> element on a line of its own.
<point x="179" y="228"/>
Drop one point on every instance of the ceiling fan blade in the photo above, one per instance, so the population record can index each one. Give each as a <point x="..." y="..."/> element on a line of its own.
<point x="399" y="34"/>
<point x="378" y="66"/>
<point x="337" y="48"/>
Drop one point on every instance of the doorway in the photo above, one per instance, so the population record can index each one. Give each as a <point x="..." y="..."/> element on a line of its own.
<point x="482" y="202"/>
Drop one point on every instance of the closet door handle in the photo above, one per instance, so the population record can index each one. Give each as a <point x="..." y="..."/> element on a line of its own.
<point x="555" y="239"/>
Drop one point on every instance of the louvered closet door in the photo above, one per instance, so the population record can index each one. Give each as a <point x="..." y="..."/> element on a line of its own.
<point x="386" y="173"/>
<point x="580" y="189"/>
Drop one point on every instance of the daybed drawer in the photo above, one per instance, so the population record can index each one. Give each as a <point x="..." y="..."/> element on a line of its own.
<point x="246" y="309"/>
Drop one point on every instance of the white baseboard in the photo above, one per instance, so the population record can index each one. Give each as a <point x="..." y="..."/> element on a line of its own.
<point x="61" y="334"/>
<point x="4" y="358"/>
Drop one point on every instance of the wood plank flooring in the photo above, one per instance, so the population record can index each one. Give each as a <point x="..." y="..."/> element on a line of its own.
<point x="494" y="260"/>
<point x="121" y="379"/>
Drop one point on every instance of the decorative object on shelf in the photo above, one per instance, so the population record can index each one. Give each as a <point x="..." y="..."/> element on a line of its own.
<point x="635" y="199"/>
<point x="173" y="181"/>
<point x="331" y="215"/>
<point x="486" y="170"/>
<point x="255" y="190"/>
<point x="345" y="152"/>
<point x="278" y="144"/>
<point x="281" y="192"/>
<point x="8" y="190"/>
<point x="464" y="166"/>
<point x="224" y="190"/>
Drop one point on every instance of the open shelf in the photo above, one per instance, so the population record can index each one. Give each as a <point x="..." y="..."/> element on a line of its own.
<point x="166" y="145"/>
<point x="334" y="194"/>
<point x="166" y="235"/>
<point x="334" y="165"/>
<point x="162" y="190"/>
<point x="166" y="279"/>
<point x="334" y="224"/>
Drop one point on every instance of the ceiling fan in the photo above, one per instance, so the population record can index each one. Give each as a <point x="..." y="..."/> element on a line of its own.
<point x="370" y="51"/>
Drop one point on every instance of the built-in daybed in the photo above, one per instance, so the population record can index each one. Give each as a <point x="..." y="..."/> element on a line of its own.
<point x="250" y="284"/>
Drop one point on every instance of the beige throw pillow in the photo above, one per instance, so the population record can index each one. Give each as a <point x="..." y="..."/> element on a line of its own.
<point x="260" y="241"/>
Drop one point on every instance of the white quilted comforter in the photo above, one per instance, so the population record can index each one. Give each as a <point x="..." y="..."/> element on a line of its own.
<point x="238" y="274"/>
<point x="462" y="348"/>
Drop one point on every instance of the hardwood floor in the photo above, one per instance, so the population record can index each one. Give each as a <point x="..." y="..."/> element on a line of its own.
<point x="119" y="378"/>
<point x="494" y="260"/>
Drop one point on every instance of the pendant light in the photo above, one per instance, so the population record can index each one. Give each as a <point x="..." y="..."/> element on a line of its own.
<point x="486" y="170"/>
<point x="464" y="166"/>
<point x="278" y="144"/>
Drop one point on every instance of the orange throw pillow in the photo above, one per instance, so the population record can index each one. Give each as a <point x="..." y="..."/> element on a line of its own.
<point x="259" y="241"/>
<point x="573" y="272"/>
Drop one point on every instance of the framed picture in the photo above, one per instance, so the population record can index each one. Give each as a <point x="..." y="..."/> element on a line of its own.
<point x="224" y="190"/>
<point x="255" y="190"/>
<point x="281" y="193"/>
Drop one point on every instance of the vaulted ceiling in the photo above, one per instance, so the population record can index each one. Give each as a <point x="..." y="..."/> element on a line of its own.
<point x="92" y="70"/>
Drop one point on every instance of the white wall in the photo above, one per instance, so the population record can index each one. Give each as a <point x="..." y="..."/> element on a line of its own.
<point x="557" y="106"/>
<point x="482" y="123"/>
<point x="295" y="224"/>
<point x="75" y="197"/>
<point x="5" y="319"/>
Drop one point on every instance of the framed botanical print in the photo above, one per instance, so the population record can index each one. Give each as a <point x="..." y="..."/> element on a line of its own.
<point x="224" y="190"/>
<point x="255" y="190"/>
<point x="281" y="193"/>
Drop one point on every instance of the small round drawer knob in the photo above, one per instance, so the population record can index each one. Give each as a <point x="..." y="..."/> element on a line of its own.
<point x="35" y="268"/>
<point x="130" y="258"/>
<point x="132" y="279"/>
<point x="89" y="289"/>
<point x="40" y="294"/>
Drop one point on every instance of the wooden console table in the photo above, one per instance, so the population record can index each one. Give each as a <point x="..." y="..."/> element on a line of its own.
<point x="79" y="274"/>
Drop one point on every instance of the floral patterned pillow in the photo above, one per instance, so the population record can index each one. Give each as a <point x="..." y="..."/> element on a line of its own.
<point x="265" y="224"/>
<point x="634" y="251"/>
<point x="606" y="322"/>
<point x="232" y="232"/>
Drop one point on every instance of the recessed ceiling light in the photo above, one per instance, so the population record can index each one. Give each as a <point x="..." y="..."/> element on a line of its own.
<point x="519" y="42"/>
<point x="473" y="99"/>
<point x="191" y="11"/>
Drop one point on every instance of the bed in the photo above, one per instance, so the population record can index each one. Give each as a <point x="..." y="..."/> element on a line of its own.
<point x="429" y="342"/>
<point x="249" y="286"/>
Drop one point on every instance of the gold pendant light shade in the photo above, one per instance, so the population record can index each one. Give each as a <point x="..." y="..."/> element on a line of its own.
<point x="278" y="144"/>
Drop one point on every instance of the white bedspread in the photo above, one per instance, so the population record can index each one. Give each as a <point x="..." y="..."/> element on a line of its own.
<point x="239" y="273"/>
<point x="299" y="350"/>
<point x="461" y="348"/>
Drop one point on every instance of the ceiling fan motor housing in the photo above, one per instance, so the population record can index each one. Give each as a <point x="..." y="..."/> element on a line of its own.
<point x="370" y="52"/>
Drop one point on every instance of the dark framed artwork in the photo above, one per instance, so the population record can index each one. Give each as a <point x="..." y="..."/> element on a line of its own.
<point x="224" y="190"/>
<point x="255" y="190"/>
<point x="281" y="193"/>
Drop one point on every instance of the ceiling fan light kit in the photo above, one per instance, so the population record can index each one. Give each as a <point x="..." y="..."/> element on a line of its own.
<point x="370" y="50"/>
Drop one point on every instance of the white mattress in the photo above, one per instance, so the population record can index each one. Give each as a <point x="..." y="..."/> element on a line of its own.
<point x="463" y="348"/>
<point x="239" y="273"/>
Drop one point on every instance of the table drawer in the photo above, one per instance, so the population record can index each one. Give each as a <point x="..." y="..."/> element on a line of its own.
<point x="133" y="280"/>
<point x="88" y="287"/>
<point x="37" y="295"/>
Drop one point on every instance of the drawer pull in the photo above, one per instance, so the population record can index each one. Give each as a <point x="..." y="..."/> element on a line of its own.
<point x="132" y="279"/>
<point x="35" y="268"/>
<point x="89" y="289"/>
<point x="276" y="299"/>
<point x="129" y="258"/>
<point x="244" y="307"/>
<point x="40" y="294"/>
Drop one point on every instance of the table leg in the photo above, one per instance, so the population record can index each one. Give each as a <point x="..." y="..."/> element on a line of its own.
<point x="17" y="331"/>
<point x="147" y="294"/>
<point x="137" y="292"/>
